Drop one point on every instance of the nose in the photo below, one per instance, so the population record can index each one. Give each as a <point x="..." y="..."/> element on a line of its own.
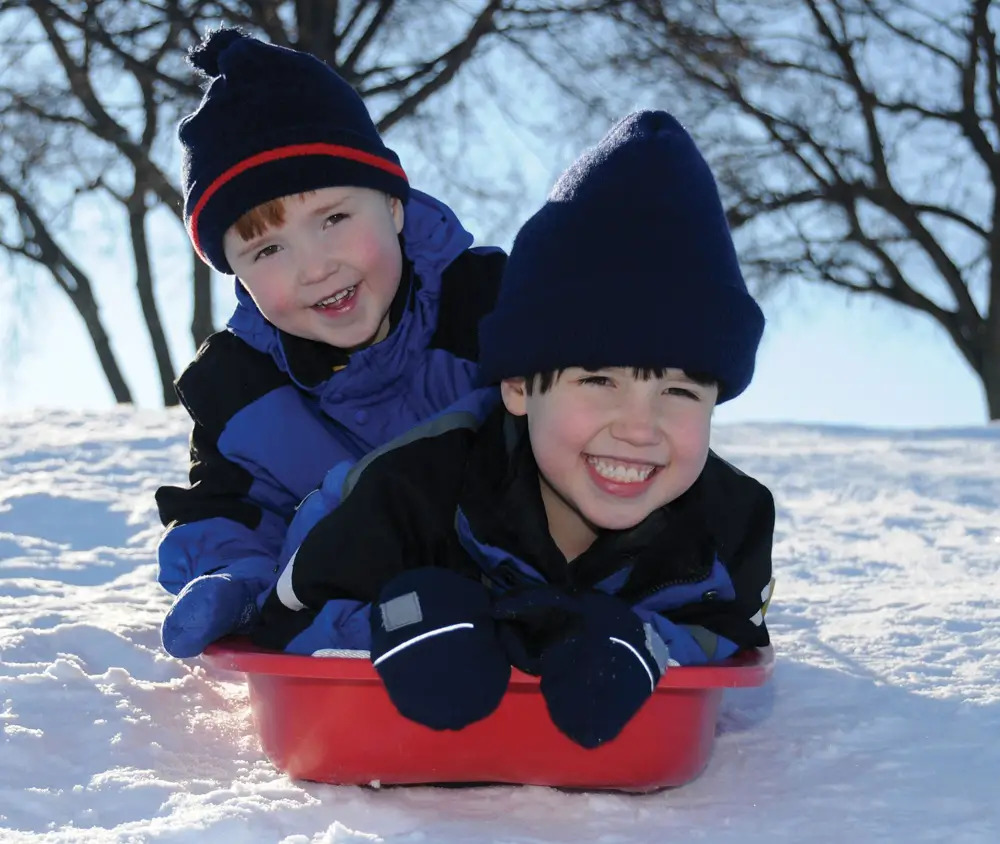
<point x="316" y="266"/>
<point x="637" y="423"/>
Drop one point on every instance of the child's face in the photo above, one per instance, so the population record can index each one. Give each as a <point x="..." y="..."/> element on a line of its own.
<point x="330" y="271"/>
<point x="612" y="448"/>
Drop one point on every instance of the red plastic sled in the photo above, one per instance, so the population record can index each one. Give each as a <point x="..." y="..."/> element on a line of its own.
<point x="330" y="720"/>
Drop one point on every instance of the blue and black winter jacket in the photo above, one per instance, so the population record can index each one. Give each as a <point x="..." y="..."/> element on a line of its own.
<point x="464" y="494"/>
<point x="273" y="412"/>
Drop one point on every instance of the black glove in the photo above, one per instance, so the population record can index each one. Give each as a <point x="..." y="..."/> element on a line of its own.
<point x="435" y="647"/>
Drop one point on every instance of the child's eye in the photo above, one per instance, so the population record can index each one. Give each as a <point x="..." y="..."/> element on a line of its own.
<point x="683" y="393"/>
<point x="596" y="380"/>
<point x="333" y="219"/>
<point x="265" y="252"/>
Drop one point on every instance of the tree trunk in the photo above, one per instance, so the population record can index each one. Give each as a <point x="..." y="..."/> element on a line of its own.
<point x="84" y="302"/>
<point x="144" y="287"/>
<point x="39" y="246"/>
<point x="202" y="323"/>
<point x="992" y="387"/>
<point x="991" y="363"/>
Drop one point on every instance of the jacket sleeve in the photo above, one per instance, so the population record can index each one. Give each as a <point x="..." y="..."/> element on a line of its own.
<point x="396" y="511"/>
<point x="323" y="595"/>
<point x="256" y="451"/>
<point x="470" y="407"/>
<point x="728" y="615"/>
<point x="215" y="523"/>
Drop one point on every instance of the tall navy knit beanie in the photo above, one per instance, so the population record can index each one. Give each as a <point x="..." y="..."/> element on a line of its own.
<point x="273" y="122"/>
<point x="630" y="262"/>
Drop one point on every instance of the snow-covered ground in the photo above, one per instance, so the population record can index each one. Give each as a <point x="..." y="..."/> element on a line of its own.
<point x="882" y="721"/>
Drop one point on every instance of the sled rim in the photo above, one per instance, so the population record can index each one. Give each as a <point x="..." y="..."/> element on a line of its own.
<point x="748" y="668"/>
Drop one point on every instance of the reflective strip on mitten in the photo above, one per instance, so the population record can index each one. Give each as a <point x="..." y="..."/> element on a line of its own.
<point x="436" y="648"/>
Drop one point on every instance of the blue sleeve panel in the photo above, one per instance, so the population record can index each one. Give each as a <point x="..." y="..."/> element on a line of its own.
<point x="280" y="449"/>
<point x="340" y="625"/>
<point x="314" y="507"/>
<point x="368" y="522"/>
<point x="287" y="448"/>
<point x="190" y="550"/>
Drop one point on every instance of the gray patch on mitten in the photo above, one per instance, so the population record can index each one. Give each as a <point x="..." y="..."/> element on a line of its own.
<point x="401" y="612"/>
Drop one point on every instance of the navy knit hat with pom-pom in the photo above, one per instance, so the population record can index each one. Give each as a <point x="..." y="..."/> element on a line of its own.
<point x="630" y="262"/>
<point x="273" y="122"/>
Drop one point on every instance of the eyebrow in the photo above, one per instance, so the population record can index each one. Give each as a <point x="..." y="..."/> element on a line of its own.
<point x="679" y="375"/>
<point x="323" y="210"/>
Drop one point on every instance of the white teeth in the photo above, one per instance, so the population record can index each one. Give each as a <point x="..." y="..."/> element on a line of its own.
<point x="620" y="472"/>
<point x="333" y="300"/>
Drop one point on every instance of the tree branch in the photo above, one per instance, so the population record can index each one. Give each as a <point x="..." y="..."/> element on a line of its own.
<point x="104" y="125"/>
<point x="349" y="65"/>
<point x="140" y="68"/>
<point x="452" y="60"/>
<point x="969" y="120"/>
<point x="842" y="50"/>
<point x="910" y="38"/>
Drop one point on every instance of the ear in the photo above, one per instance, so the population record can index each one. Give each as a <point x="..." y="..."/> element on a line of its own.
<point x="396" y="209"/>
<point x="514" y="395"/>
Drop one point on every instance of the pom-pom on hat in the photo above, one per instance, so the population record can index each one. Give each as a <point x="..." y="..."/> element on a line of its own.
<point x="273" y="122"/>
<point x="630" y="262"/>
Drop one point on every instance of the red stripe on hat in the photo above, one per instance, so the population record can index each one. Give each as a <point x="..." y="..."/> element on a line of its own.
<point x="291" y="151"/>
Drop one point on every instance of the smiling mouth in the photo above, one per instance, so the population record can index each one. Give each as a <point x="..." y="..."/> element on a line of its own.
<point x="620" y="471"/>
<point x="338" y="299"/>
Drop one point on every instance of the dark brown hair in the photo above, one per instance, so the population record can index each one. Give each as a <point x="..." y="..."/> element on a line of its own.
<point x="544" y="381"/>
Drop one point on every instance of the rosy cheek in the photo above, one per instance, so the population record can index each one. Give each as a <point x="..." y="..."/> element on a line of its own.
<point x="695" y="435"/>
<point x="564" y="439"/>
<point x="372" y="249"/>
<point x="274" y="300"/>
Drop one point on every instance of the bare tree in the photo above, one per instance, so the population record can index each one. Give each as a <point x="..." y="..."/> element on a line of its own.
<point x="87" y="92"/>
<point x="90" y="94"/>
<point x="857" y="143"/>
<point x="36" y="244"/>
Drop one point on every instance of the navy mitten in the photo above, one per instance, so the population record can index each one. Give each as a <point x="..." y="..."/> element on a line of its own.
<point x="208" y="608"/>
<point x="436" y="649"/>
<point x="598" y="676"/>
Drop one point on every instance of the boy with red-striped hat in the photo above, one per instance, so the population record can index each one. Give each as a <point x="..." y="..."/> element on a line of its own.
<point x="358" y="300"/>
